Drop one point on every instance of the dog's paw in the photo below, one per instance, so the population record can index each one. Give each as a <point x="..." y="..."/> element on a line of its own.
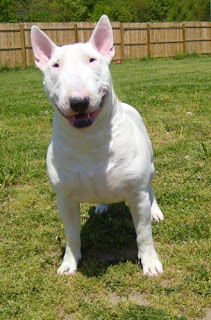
<point x="101" y="208"/>
<point x="152" y="267"/>
<point x="67" y="268"/>
<point x="156" y="214"/>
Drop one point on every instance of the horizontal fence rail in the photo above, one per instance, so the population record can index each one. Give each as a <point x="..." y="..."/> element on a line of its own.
<point x="131" y="40"/>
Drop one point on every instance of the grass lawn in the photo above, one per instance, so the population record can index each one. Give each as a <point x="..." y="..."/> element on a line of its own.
<point x="174" y="98"/>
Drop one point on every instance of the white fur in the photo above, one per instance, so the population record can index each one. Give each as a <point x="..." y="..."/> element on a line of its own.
<point x="109" y="161"/>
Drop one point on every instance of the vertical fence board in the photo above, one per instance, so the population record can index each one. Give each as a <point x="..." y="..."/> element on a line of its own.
<point x="23" y="47"/>
<point x="148" y="40"/>
<point x="122" y="41"/>
<point x="184" y="38"/>
<point x="76" y="32"/>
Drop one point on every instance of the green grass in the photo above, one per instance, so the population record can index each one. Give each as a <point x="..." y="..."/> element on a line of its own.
<point x="174" y="98"/>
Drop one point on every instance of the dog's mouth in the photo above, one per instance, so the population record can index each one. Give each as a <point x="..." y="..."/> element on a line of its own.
<point x="85" y="119"/>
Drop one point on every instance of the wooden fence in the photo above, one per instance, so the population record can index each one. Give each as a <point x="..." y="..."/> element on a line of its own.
<point x="131" y="40"/>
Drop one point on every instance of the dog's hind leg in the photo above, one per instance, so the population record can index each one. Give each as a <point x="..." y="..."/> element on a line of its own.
<point x="101" y="208"/>
<point x="70" y="215"/>
<point x="156" y="213"/>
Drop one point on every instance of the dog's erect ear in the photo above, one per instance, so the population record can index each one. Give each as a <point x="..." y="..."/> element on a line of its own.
<point x="42" y="46"/>
<point x="102" y="38"/>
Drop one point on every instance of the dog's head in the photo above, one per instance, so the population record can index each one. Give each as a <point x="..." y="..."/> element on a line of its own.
<point x="76" y="77"/>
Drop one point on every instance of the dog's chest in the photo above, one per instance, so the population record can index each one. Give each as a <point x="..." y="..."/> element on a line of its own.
<point x="94" y="178"/>
<point x="96" y="185"/>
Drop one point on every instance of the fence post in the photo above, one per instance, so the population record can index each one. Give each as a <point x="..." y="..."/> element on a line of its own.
<point x="122" y="41"/>
<point x="76" y="32"/>
<point x="184" y="38"/>
<point x="23" y="45"/>
<point x="148" y="40"/>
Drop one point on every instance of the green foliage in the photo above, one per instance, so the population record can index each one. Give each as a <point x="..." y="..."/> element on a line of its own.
<point x="152" y="10"/>
<point x="74" y="10"/>
<point x="117" y="10"/>
<point x="189" y="10"/>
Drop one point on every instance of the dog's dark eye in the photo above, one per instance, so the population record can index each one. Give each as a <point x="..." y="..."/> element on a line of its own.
<point x="56" y="65"/>
<point x="92" y="59"/>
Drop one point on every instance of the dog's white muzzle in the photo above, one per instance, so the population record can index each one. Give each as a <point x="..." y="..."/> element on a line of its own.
<point x="85" y="119"/>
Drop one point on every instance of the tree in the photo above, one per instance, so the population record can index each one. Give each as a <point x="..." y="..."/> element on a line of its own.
<point x="74" y="10"/>
<point x="6" y="11"/>
<point x="91" y="10"/>
<point x="189" y="10"/>
<point x="117" y="10"/>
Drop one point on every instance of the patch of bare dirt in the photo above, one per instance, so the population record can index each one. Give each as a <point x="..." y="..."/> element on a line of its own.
<point x="134" y="296"/>
<point x="208" y="314"/>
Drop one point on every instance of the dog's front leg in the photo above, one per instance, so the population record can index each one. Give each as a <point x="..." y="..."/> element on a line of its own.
<point x="70" y="215"/>
<point x="139" y="203"/>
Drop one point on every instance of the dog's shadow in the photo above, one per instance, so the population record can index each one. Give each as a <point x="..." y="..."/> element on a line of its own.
<point x="107" y="239"/>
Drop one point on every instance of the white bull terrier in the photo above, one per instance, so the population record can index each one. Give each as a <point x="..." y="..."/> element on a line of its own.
<point x="100" y="151"/>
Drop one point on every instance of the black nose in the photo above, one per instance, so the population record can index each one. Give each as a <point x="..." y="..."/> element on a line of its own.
<point x="79" y="104"/>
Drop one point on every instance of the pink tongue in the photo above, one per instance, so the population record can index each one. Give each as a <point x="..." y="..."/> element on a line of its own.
<point x="81" y="116"/>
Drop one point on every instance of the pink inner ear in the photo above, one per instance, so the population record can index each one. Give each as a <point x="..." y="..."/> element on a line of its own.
<point x="102" y="38"/>
<point x="42" y="55"/>
<point x="43" y="48"/>
<point x="103" y="41"/>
